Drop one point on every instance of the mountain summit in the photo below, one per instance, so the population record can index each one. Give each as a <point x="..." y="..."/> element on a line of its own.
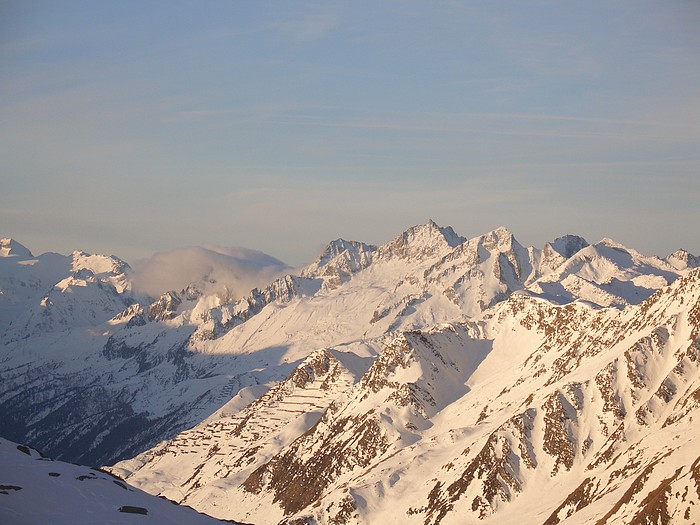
<point x="421" y="242"/>
<point x="11" y="248"/>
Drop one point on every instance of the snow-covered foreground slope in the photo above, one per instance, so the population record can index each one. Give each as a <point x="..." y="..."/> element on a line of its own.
<point x="531" y="413"/>
<point x="34" y="489"/>
<point x="92" y="372"/>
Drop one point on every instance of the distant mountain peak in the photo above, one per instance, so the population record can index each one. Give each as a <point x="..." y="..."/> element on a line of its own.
<point x="502" y="231"/>
<point x="610" y="243"/>
<point x="423" y="241"/>
<point x="568" y="245"/>
<point x="682" y="259"/>
<point x="554" y="253"/>
<point x="11" y="248"/>
<point x="339" y="260"/>
<point x="338" y="246"/>
<point x="446" y="232"/>
<point x="105" y="266"/>
<point x="501" y="236"/>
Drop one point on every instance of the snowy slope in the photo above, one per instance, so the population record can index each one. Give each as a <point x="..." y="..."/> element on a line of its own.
<point x="534" y="413"/>
<point x="34" y="489"/>
<point x="222" y="451"/>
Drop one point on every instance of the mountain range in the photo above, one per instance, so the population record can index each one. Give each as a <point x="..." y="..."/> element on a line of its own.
<point x="433" y="379"/>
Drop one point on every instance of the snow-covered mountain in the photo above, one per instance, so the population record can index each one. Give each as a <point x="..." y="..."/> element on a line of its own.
<point x="34" y="489"/>
<point x="534" y="413"/>
<point x="53" y="293"/>
<point x="682" y="260"/>
<point x="607" y="274"/>
<point x="346" y="391"/>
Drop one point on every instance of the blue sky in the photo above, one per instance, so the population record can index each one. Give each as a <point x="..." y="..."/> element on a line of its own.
<point x="136" y="127"/>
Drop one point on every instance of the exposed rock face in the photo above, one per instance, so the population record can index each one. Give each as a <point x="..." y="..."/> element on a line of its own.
<point x="351" y="437"/>
<point x="339" y="262"/>
<point x="595" y="424"/>
<point x="165" y="307"/>
<point x="215" y="322"/>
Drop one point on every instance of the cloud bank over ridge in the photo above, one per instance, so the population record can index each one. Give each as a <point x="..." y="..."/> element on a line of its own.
<point x="212" y="268"/>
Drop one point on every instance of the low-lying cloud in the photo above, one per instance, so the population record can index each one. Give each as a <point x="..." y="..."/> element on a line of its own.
<point x="212" y="269"/>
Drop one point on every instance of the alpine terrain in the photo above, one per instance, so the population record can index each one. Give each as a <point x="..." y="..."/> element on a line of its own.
<point x="431" y="380"/>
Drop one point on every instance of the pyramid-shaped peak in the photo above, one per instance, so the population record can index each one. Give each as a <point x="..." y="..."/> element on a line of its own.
<point x="501" y="239"/>
<point x="682" y="259"/>
<point x="11" y="248"/>
<point x="607" y="242"/>
<point x="340" y="259"/>
<point x="423" y="241"/>
<point x="568" y="245"/>
<point x="433" y="230"/>
<point x="501" y="233"/>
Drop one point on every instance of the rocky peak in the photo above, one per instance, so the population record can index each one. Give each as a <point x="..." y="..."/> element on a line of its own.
<point x="11" y="248"/>
<point x="422" y="241"/>
<point x="567" y="245"/>
<point x="559" y="250"/>
<point x="499" y="238"/>
<point x="340" y="246"/>
<point x="165" y="307"/>
<point x="339" y="260"/>
<point x="682" y="260"/>
<point x="513" y="265"/>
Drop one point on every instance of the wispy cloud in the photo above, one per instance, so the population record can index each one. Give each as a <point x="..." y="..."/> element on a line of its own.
<point x="306" y="27"/>
<point x="672" y="123"/>
<point x="236" y="115"/>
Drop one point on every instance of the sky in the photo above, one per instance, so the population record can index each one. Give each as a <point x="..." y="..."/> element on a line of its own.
<point x="131" y="128"/>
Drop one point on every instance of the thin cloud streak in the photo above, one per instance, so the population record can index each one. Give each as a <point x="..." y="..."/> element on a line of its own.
<point x="643" y="127"/>
<point x="306" y="28"/>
